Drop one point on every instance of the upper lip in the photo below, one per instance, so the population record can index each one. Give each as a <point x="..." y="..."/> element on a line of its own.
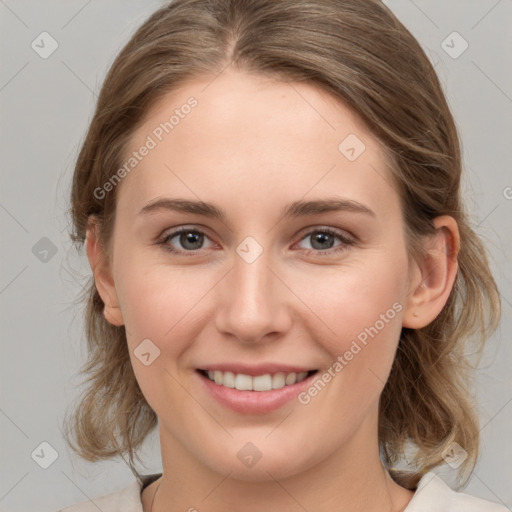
<point x="255" y="369"/>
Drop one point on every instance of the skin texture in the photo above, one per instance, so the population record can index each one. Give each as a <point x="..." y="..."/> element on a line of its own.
<point x="251" y="146"/>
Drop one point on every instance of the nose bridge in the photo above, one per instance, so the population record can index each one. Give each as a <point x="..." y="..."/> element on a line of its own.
<point x="252" y="303"/>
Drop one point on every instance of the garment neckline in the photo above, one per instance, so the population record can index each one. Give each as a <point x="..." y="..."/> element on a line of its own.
<point x="415" y="500"/>
<point x="149" y="479"/>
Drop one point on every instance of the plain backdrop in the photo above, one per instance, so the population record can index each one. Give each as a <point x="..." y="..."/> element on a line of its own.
<point x="46" y="105"/>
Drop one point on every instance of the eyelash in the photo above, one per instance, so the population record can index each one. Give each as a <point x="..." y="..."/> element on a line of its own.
<point x="346" y="242"/>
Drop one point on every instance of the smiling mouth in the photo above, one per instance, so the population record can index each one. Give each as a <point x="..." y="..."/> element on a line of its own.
<point x="264" y="382"/>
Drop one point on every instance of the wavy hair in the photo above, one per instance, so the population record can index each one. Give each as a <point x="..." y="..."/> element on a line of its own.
<point x="358" y="51"/>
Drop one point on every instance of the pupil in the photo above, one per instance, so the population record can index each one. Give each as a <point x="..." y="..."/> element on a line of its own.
<point x="191" y="238"/>
<point x="322" y="238"/>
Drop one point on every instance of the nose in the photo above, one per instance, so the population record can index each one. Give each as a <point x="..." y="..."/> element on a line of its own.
<point x="253" y="301"/>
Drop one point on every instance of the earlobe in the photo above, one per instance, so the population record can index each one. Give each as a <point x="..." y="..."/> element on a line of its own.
<point x="113" y="315"/>
<point x="103" y="278"/>
<point x="435" y="276"/>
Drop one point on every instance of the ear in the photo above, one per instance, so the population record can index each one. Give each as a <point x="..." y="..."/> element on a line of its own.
<point x="433" y="279"/>
<point x="101" y="267"/>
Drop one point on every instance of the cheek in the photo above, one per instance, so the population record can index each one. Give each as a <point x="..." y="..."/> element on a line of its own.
<point x="162" y="303"/>
<point x="155" y="303"/>
<point x="361" y="324"/>
<point x="348" y="300"/>
<point x="361" y="311"/>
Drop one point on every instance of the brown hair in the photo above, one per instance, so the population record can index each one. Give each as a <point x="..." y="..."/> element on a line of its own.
<point x="359" y="52"/>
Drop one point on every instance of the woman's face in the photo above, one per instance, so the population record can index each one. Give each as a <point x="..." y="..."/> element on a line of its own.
<point x="306" y="269"/>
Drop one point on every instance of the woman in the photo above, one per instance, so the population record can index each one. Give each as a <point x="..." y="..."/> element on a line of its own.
<point x="268" y="195"/>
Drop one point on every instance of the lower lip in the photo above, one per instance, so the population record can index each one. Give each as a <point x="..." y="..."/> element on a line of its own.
<point x="254" y="402"/>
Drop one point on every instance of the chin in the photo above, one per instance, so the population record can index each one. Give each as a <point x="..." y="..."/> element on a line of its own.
<point x="245" y="462"/>
<point x="274" y="467"/>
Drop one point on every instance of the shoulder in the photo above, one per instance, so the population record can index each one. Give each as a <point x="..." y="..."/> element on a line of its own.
<point x="433" y="494"/>
<point x="127" y="499"/>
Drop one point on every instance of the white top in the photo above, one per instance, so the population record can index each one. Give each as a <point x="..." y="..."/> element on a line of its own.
<point x="431" y="495"/>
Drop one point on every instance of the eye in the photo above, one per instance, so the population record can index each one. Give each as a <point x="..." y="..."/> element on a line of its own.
<point x="190" y="240"/>
<point x="323" y="239"/>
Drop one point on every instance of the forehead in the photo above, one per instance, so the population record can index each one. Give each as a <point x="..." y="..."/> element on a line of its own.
<point x="258" y="139"/>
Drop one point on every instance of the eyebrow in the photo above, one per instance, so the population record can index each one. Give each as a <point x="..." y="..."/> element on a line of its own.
<point x="295" y="209"/>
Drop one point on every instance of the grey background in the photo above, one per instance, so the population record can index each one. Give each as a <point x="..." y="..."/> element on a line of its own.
<point x="46" y="106"/>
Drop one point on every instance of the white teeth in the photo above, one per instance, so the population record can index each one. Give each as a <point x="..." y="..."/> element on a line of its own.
<point x="264" y="382"/>
<point x="290" y="378"/>
<point x="228" y="379"/>
<point x="242" y="382"/>
<point x="278" y="380"/>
